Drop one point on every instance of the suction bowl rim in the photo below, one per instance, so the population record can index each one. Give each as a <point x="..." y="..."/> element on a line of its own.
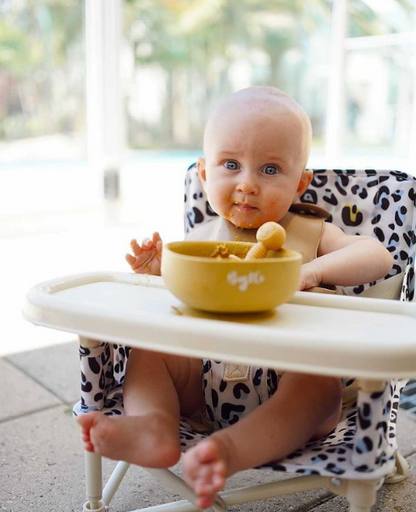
<point x="290" y="257"/>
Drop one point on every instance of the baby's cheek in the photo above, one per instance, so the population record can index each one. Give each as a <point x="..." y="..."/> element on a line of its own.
<point x="219" y="204"/>
<point x="278" y="209"/>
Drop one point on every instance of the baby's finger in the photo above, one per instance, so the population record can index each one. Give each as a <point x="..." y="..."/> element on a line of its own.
<point x="131" y="260"/>
<point x="156" y="238"/>
<point x="147" y="243"/>
<point x="135" y="247"/>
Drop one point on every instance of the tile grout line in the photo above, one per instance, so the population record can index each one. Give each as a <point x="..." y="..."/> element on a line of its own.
<point x="30" y="413"/>
<point x="51" y="391"/>
<point x="320" y="501"/>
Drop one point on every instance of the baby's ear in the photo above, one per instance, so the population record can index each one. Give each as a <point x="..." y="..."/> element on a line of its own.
<point x="304" y="182"/>
<point x="200" y="165"/>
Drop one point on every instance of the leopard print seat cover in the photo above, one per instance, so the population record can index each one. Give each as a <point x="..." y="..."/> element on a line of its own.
<point x="367" y="202"/>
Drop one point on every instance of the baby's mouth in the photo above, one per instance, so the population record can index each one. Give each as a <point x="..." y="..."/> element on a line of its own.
<point x="244" y="207"/>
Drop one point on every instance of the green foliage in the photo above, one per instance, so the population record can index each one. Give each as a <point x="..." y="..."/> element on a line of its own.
<point x="169" y="32"/>
<point x="14" y="49"/>
<point x="194" y="42"/>
<point x="199" y="42"/>
<point x="38" y="43"/>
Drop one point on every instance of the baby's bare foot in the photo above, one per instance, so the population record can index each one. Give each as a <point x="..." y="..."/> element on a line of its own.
<point x="150" y="441"/>
<point x="205" y="469"/>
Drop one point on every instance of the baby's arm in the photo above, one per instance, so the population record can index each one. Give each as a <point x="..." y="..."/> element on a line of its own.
<point x="346" y="260"/>
<point x="146" y="258"/>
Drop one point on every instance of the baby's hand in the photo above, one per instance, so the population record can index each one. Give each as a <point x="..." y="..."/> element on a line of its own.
<point x="309" y="277"/>
<point x="147" y="257"/>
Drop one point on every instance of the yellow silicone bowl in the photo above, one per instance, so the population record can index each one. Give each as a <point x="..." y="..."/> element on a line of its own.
<point x="225" y="285"/>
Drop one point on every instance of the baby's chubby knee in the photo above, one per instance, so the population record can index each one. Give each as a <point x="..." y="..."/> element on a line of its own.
<point x="329" y="390"/>
<point x="321" y="398"/>
<point x="329" y="387"/>
<point x="320" y="390"/>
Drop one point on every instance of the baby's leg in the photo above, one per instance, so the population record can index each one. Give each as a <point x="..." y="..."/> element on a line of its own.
<point x="158" y="388"/>
<point x="303" y="407"/>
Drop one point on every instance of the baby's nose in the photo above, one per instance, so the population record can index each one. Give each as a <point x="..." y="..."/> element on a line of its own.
<point x="247" y="187"/>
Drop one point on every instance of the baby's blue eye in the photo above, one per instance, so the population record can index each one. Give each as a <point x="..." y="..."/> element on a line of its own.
<point x="231" y="165"/>
<point x="270" y="170"/>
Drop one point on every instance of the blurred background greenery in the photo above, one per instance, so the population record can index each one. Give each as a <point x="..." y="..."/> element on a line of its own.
<point x="179" y="57"/>
<point x="42" y="71"/>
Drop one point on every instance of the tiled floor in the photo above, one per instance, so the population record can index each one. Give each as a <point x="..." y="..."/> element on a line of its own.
<point x="41" y="459"/>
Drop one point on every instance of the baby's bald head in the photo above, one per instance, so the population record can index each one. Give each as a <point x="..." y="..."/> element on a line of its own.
<point x="268" y="104"/>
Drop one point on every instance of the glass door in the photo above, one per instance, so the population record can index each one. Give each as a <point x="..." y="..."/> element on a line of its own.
<point x="43" y="178"/>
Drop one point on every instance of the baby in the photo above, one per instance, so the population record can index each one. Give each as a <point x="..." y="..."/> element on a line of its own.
<point x="256" y="148"/>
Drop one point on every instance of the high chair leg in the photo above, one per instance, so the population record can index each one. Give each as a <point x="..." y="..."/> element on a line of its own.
<point x="114" y="481"/>
<point x="356" y="508"/>
<point x="93" y="481"/>
<point x="178" y="485"/>
<point x="362" y="494"/>
<point x="401" y="470"/>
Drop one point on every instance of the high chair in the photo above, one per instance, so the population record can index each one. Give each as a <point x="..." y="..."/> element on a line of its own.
<point x="371" y="343"/>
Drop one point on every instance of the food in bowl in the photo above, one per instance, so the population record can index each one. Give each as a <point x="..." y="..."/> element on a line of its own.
<point x="226" y="284"/>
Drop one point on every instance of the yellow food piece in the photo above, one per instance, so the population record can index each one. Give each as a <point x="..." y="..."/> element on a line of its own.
<point x="270" y="236"/>
<point x="221" y="251"/>
<point x="257" y="252"/>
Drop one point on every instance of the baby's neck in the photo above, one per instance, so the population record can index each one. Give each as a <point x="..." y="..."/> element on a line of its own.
<point x="228" y="231"/>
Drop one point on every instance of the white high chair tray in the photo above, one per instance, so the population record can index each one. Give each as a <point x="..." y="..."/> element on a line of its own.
<point x="314" y="333"/>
